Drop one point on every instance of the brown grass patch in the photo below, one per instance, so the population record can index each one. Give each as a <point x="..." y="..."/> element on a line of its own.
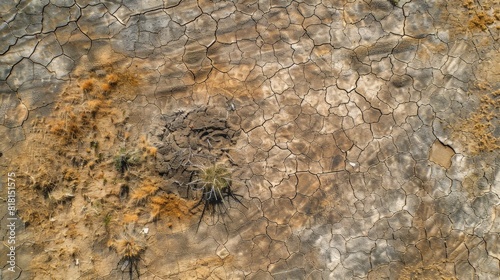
<point x="168" y="205"/>
<point x="144" y="191"/>
<point x="479" y="127"/>
<point x="112" y="79"/>
<point x="106" y="88"/>
<point x="70" y="187"/>
<point x="481" y="17"/>
<point x="152" y="151"/>
<point x="481" y="20"/>
<point x="130" y="218"/>
<point x="87" y="85"/>
<point x="426" y="272"/>
<point x="94" y="106"/>
<point x="148" y="150"/>
<point x="68" y="128"/>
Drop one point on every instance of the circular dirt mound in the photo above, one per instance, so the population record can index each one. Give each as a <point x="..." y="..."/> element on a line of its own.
<point x="192" y="138"/>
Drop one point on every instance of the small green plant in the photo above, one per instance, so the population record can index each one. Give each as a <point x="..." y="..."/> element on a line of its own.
<point x="214" y="182"/>
<point x="94" y="145"/>
<point x="124" y="160"/>
<point x="100" y="157"/>
<point x="107" y="220"/>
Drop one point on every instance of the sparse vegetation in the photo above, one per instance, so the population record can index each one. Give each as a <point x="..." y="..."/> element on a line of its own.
<point x="97" y="173"/>
<point x="130" y="218"/>
<point x="156" y="205"/>
<point x="68" y="126"/>
<point x="69" y="171"/>
<point x="45" y="181"/>
<point x="481" y="16"/>
<point x="93" y="106"/>
<point x="152" y="151"/>
<point x="148" y="151"/>
<point x="144" y="191"/>
<point x="168" y="205"/>
<point x="94" y="145"/>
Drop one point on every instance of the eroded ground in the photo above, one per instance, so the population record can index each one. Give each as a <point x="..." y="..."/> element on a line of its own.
<point x="362" y="136"/>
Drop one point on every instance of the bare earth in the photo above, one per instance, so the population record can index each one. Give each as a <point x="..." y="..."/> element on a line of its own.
<point x="361" y="137"/>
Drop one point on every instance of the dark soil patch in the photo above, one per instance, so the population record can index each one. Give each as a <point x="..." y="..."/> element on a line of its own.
<point x="187" y="139"/>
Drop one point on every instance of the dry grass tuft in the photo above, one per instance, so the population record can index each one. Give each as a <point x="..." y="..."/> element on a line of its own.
<point x="68" y="162"/>
<point x="70" y="174"/>
<point x="481" y="16"/>
<point x="106" y="88"/>
<point x="87" y="85"/>
<point x="129" y="246"/>
<point x="149" y="152"/>
<point x="94" y="106"/>
<point x="144" y="191"/>
<point x="130" y="218"/>
<point x="156" y="205"/>
<point x="481" y="20"/>
<point x="152" y="151"/>
<point x="46" y="180"/>
<point x="67" y="126"/>
<point x="112" y="79"/>
<point x="479" y="127"/>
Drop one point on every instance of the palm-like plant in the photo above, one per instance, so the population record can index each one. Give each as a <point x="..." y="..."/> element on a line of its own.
<point x="215" y="184"/>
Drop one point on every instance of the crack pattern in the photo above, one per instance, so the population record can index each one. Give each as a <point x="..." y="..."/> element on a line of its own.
<point x="364" y="134"/>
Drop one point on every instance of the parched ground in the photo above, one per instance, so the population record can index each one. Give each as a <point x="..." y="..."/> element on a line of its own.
<point x="362" y="138"/>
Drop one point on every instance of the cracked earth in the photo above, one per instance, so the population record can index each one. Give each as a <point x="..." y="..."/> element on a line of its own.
<point x="362" y="137"/>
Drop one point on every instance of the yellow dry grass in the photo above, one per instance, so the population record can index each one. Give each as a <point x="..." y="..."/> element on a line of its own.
<point x="128" y="246"/>
<point x="87" y="85"/>
<point x="482" y="16"/>
<point x="144" y="191"/>
<point x="479" y="127"/>
<point x="70" y="184"/>
<point x="112" y="79"/>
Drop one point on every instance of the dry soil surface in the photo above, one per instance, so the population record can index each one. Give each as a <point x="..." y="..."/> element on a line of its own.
<point x="361" y="138"/>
